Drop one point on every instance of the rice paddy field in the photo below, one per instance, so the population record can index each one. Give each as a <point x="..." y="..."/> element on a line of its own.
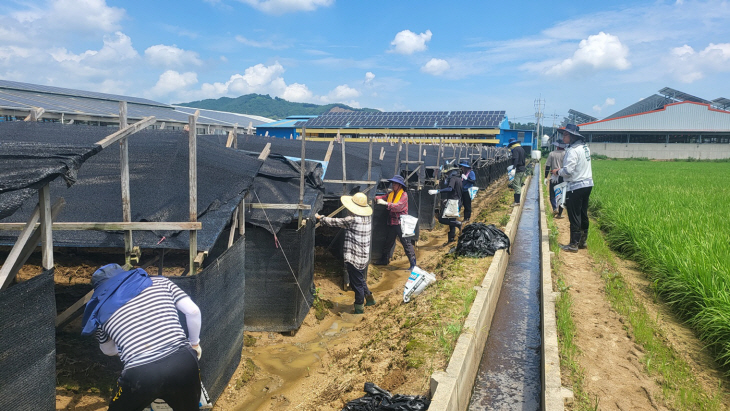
<point x="673" y="219"/>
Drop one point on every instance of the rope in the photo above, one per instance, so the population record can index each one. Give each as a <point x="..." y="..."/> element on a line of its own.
<point x="278" y="244"/>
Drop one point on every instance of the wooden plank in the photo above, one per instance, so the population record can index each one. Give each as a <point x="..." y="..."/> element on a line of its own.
<point x="232" y="233"/>
<point x="414" y="172"/>
<point x="370" y="159"/>
<point x="44" y="202"/>
<point x="301" y="175"/>
<point x="397" y="156"/>
<point x="344" y="170"/>
<point x="266" y="206"/>
<point x="265" y="152"/>
<point x="113" y="226"/>
<point x="193" y="186"/>
<point x="329" y="151"/>
<point x="16" y="251"/>
<point x="242" y="217"/>
<point x="130" y="129"/>
<point x="229" y="141"/>
<point x="350" y="181"/>
<point x="126" y="196"/>
<point x="235" y="135"/>
<point x="30" y="246"/>
<point x="382" y="153"/>
<point x="73" y="312"/>
<point x="200" y="257"/>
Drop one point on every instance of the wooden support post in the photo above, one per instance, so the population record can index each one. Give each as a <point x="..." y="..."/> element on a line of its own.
<point x="126" y="200"/>
<point x="235" y="135"/>
<point x="437" y="175"/>
<point x="44" y="203"/>
<point x="15" y="252"/>
<point x="382" y="153"/>
<point x="330" y="148"/>
<point x="193" y="186"/>
<point x="229" y="141"/>
<point x="301" y="175"/>
<point x="344" y="170"/>
<point x="265" y="152"/>
<point x="242" y="217"/>
<point x="124" y="132"/>
<point x="370" y="159"/>
<point x="234" y="223"/>
<point x="397" y="157"/>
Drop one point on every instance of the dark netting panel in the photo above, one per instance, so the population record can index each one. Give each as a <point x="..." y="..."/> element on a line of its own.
<point x="278" y="183"/>
<point x="380" y="221"/>
<point x="28" y="345"/>
<point x="426" y="219"/>
<point x="27" y="166"/>
<point x="278" y="299"/>
<point x="219" y="292"/>
<point x="158" y="183"/>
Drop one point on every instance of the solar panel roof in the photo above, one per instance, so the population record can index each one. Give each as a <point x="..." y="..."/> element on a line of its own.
<point x="16" y="85"/>
<point x="410" y="119"/>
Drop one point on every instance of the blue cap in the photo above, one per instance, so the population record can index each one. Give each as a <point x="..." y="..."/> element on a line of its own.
<point x="464" y="164"/>
<point x="512" y="142"/>
<point x="398" y="179"/>
<point x="104" y="273"/>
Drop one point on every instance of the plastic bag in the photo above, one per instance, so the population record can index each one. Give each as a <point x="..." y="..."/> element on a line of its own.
<point x="481" y="240"/>
<point x="511" y="174"/>
<point x="408" y="225"/>
<point x="377" y="399"/>
<point x="472" y="192"/>
<point x="416" y="283"/>
<point x="452" y="209"/>
<point x="560" y="193"/>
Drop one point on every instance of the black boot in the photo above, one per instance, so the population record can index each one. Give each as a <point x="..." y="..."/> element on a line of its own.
<point x="583" y="238"/>
<point x="573" y="245"/>
<point x="517" y="200"/>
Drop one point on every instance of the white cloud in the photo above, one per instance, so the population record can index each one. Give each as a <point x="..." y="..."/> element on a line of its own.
<point x="340" y="94"/>
<point x="408" y="42"/>
<point x="88" y="15"/>
<point x="608" y="103"/>
<point x="279" y="7"/>
<point x="171" y="56"/>
<point x="261" y="44"/>
<point x="171" y="81"/>
<point x="369" y="77"/>
<point x="298" y="93"/>
<point x="601" y="51"/>
<point x="436" y="67"/>
<point x="688" y="65"/>
<point x="116" y="48"/>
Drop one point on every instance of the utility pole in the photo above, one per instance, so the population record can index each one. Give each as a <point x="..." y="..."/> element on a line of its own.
<point x="539" y="106"/>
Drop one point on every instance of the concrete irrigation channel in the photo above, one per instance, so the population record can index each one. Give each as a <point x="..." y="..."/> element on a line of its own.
<point x="507" y="355"/>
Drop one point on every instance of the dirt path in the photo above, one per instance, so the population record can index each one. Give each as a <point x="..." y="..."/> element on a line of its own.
<point x="611" y="360"/>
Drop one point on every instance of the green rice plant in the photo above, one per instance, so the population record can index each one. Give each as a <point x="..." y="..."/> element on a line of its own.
<point x="672" y="219"/>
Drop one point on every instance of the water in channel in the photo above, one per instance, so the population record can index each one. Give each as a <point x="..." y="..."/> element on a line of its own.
<point x="509" y="372"/>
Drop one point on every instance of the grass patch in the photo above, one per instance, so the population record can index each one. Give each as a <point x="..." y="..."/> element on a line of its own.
<point x="321" y="306"/>
<point x="249" y="371"/>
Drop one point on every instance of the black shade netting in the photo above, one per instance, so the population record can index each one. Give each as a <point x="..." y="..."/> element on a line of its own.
<point x="28" y="345"/>
<point x="378" y="399"/>
<point x="277" y="182"/>
<point x="356" y="160"/>
<point x="219" y="292"/>
<point x="25" y="167"/>
<point x="159" y="185"/>
<point x="279" y="277"/>
<point x="481" y="240"/>
<point x="427" y="215"/>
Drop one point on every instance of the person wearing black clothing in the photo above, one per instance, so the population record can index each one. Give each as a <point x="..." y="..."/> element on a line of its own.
<point x="452" y="190"/>
<point x="518" y="161"/>
<point x="468" y="178"/>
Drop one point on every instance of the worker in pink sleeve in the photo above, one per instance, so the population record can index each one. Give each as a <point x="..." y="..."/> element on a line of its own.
<point x="397" y="204"/>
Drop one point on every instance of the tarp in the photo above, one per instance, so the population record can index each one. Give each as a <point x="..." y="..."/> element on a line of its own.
<point x="158" y="183"/>
<point x="25" y="167"/>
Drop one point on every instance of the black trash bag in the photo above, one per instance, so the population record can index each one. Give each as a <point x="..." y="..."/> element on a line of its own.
<point x="377" y="399"/>
<point x="481" y="240"/>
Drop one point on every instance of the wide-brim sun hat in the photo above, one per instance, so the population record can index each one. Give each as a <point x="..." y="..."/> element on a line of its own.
<point x="357" y="204"/>
<point x="464" y="165"/>
<point x="398" y="179"/>
<point x="512" y="142"/>
<point x="572" y="129"/>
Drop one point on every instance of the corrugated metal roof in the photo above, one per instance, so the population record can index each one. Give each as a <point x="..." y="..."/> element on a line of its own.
<point x="288" y="123"/>
<point x="226" y="117"/>
<point x="16" y="85"/>
<point x="653" y="102"/>
<point x="683" y="116"/>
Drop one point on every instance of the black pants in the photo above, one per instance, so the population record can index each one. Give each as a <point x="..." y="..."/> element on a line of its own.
<point x="576" y="202"/>
<point x="466" y="201"/>
<point x="174" y="379"/>
<point x="358" y="283"/>
<point x="394" y="232"/>
<point x="452" y="223"/>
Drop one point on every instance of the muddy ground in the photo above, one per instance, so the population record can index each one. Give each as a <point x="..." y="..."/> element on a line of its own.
<point x="326" y="363"/>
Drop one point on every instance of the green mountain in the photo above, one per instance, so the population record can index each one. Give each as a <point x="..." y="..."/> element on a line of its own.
<point x="263" y="105"/>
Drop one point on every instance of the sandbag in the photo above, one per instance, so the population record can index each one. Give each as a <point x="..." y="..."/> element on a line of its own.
<point x="377" y="399"/>
<point x="481" y="240"/>
<point x="416" y="283"/>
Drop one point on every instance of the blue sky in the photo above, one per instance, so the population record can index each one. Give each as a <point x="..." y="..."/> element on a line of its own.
<point x="394" y="55"/>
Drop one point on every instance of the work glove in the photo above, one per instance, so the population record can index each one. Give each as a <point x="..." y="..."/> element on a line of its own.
<point x="433" y="192"/>
<point x="198" y="350"/>
<point x="463" y="177"/>
<point x="382" y="202"/>
<point x="317" y="216"/>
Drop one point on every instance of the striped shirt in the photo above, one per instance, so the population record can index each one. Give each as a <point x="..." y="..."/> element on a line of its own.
<point x="357" y="238"/>
<point x="147" y="327"/>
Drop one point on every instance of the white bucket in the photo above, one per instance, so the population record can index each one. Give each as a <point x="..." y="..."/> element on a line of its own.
<point x="536" y="154"/>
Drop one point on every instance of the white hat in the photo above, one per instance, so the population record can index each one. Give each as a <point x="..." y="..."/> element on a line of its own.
<point x="357" y="204"/>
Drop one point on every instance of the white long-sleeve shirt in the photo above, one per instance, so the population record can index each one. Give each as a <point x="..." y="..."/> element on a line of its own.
<point x="576" y="170"/>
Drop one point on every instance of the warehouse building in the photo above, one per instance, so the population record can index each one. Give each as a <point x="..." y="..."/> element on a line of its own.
<point x="669" y="125"/>
<point x="20" y="101"/>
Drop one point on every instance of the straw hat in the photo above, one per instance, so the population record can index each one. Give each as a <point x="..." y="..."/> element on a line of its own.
<point x="357" y="204"/>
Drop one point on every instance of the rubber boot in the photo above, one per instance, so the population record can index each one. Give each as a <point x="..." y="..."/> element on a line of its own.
<point x="573" y="245"/>
<point x="517" y="200"/>
<point x="359" y="309"/>
<point x="582" y="242"/>
<point x="369" y="300"/>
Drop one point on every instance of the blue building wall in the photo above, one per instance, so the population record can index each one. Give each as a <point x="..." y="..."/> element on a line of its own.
<point x="506" y="134"/>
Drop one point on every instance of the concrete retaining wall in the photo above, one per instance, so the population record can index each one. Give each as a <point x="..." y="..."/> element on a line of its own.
<point x="661" y="151"/>
<point x="451" y="389"/>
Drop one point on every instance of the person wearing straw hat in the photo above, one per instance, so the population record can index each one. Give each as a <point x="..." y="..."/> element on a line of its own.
<point x="358" y="229"/>
<point x="576" y="171"/>
<point x="518" y="162"/>
<point x="468" y="178"/>
<point x="554" y="161"/>
<point x="397" y="204"/>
